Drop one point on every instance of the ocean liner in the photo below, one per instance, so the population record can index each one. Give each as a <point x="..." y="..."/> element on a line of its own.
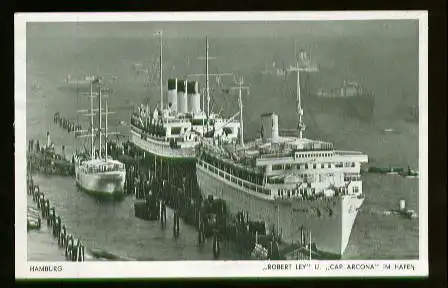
<point x="98" y="174"/>
<point x="296" y="186"/>
<point x="173" y="131"/>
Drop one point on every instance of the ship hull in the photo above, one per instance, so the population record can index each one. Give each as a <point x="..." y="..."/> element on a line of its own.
<point x="105" y="183"/>
<point x="161" y="149"/>
<point x="329" y="220"/>
<point x="178" y="171"/>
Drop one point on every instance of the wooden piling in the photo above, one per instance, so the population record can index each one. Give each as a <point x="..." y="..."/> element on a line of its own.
<point x="216" y="245"/>
<point x="176" y="223"/>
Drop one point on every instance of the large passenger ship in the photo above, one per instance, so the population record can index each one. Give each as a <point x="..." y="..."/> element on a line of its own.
<point x="98" y="174"/>
<point x="296" y="186"/>
<point x="168" y="136"/>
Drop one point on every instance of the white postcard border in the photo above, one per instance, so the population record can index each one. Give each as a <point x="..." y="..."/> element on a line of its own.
<point x="201" y="269"/>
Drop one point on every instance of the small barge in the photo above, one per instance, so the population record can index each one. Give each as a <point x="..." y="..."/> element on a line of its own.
<point x="403" y="211"/>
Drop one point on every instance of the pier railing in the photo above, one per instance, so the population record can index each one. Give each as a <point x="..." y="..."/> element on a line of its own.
<point x="276" y="155"/>
<point x="342" y="153"/>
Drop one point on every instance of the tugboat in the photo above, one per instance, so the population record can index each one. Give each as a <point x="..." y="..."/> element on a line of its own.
<point x="99" y="175"/>
<point x="403" y="211"/>
<point x="409" y="173"/>
<point x="291" y="184"/>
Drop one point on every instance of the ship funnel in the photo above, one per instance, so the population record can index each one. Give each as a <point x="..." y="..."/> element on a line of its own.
<point x="269" y="128"/>
<point x="182" y="104"/>
<point x="194" y="98"/>
<point x="172" y="94"/>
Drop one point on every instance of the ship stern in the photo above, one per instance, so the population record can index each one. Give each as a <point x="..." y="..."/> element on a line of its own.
<point x="103" y="184"/>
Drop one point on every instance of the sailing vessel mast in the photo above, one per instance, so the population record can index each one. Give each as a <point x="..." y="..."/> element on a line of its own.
<point x="93" y="131"/>
<point x="91" y="114"/>
<point x="105" y="133"/>
<point x="100" y="116"/>
<point x="92" y="136"/>
<point x="106" y="114"/>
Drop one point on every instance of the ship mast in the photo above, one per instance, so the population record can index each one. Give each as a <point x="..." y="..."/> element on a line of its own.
<point x="92" y="136"/>
<point x="301" y="126"/>
<point x="106" y="114"/>
<point x="240" y="87"/>
<point x="99" y="119"/>
<point x="91" y="114"/>
<point x="105" y="133"/>
<point x="207" y="90"/>
<point x="301" y="67"/>
<point x="161" y="68"/>
<point x="207" y="74"/>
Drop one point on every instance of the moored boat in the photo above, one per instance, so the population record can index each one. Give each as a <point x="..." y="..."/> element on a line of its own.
<point x="409" y="173"/>
<point x="99" y="174"/>
<point x="296" y="186"/>
<point x="167" y="136"/>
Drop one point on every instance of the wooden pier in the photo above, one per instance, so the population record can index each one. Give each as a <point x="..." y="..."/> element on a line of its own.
<point x="155" y="182"/>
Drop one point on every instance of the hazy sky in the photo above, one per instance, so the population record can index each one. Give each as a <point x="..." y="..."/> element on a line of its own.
<point x="381" y="55"/>
<point x="375" y="28"/>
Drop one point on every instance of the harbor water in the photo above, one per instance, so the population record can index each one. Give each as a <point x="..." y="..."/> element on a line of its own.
<point x="112" y="226"/>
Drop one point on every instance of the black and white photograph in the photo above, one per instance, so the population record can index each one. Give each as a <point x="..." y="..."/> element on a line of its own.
<point x="170" y="138"/>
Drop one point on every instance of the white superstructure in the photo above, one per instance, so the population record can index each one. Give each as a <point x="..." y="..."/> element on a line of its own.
<point x="174" y="131"/>
<point x="295" y="185"/>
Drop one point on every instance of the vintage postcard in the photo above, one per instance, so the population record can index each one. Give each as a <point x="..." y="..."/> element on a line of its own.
<point x="157" y="145"/>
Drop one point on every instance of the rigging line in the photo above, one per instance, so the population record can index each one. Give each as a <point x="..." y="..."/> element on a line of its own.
<point x="152" y="70"/>
<point x="77" y="86"/>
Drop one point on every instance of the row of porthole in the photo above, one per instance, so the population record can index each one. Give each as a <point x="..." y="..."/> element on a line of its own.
<point x="305" y="166"/>
<point x="314" y="155"/>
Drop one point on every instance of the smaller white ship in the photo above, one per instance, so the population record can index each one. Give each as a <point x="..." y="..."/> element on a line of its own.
<point x="99" y="174"/>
